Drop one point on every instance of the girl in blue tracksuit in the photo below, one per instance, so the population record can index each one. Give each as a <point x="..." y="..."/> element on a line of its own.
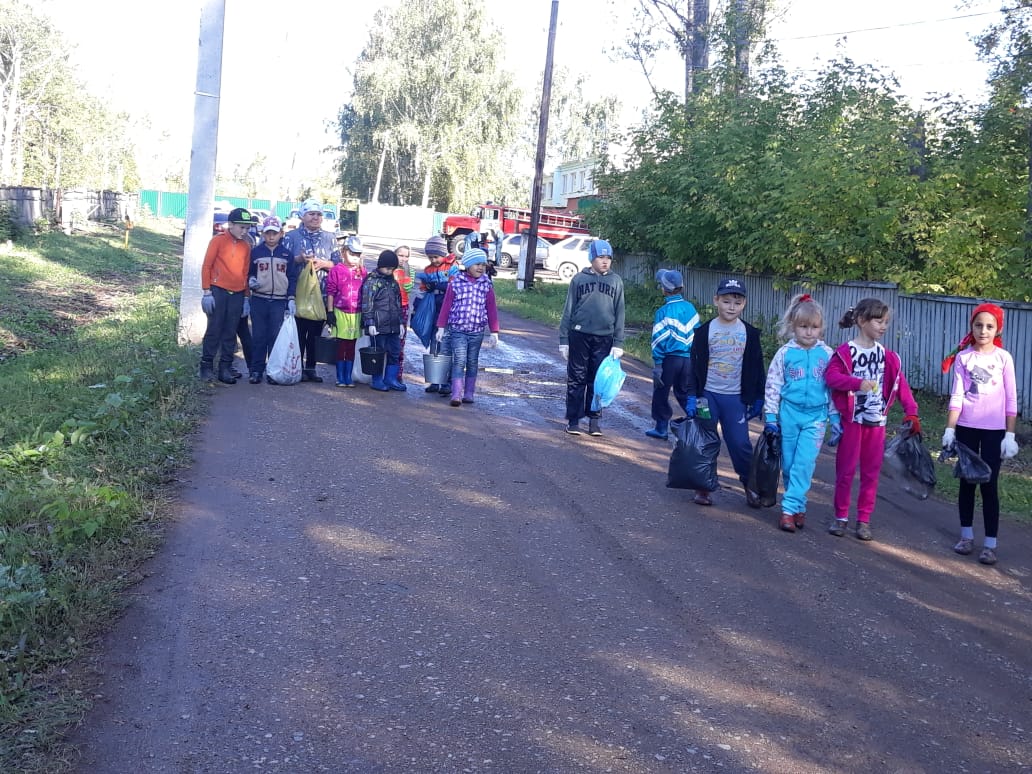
<point x="797" y="403"/>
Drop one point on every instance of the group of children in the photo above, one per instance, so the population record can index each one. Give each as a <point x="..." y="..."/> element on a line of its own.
<point x="809" y="389"/>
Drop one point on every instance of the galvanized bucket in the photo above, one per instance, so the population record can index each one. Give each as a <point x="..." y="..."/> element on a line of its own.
<point x="437" y="369"/>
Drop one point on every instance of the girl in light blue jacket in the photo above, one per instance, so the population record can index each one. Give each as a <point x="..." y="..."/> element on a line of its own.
<point x="798" y="405"/>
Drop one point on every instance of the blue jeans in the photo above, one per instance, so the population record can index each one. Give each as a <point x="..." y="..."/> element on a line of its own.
<point x="266" y="320"/>
<point x="729" y="412"/>
<point x="465" y="352"/>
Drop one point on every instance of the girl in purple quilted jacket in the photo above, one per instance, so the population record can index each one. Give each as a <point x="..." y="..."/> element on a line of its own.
<point x="467" y="311"/>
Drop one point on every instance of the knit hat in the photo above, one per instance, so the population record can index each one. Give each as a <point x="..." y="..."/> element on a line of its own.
<point x="240" y="215"/>
<point x="388" y="260"/>
<point x="473" y="255"/>
<point x="436" y="245"/>
<point x="669" y="279"/>
<point x="310" y="205"/>
<point x="968" y="339"/>
<point x="353" y="244"/>
<point x="599" y="248"/>
<point x="271" y="223"/>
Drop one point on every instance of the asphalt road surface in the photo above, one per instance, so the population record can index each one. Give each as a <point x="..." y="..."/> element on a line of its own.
<point x="367" y="582"/>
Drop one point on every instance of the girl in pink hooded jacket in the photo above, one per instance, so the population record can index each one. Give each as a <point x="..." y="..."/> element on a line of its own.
<point x="865" y="378"/>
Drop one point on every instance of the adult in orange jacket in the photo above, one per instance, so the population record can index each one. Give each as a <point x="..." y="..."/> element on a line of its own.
<point x="224" y="282"/>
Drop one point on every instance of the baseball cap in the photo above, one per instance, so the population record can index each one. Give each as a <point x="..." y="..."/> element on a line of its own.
<point x="271" y="223"/>
<point x="353" y="244"/>
<point x="311" y="205"/>
<point x="731" y="285"/>
<point x="598" y="248"/>
<point x="240" y="215"/>
<point x="669" y="279"/>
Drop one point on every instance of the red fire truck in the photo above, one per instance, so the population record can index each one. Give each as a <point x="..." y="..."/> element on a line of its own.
<point x="488" y="218"/>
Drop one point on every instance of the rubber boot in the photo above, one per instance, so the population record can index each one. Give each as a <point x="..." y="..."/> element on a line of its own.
<point x="391" y="378"/>
<point x="433" y="388"/>
<point x="660" y="431"/>
<point x="456" y="393"/>
<point x="378" y="383"/>
<point x="445" y="390"/>
<point x="226" y="374"/>
<point x="206" y="372"/>
<point x="470" y="388"/>
<point x="340" y="373"/>
<point x="349" y="370"/>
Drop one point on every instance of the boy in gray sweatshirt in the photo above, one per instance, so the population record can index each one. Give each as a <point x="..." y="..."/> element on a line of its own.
<point x="591" y="328"/>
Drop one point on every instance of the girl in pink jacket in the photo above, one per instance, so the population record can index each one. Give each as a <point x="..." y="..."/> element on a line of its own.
<point x="344" y="308"/>
<point x="865" y="378"/>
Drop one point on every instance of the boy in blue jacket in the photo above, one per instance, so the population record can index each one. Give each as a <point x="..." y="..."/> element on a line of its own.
<point x="673" y="329"/>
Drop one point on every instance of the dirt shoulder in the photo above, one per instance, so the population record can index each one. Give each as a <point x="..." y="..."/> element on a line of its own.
<point x="372" y="582"/>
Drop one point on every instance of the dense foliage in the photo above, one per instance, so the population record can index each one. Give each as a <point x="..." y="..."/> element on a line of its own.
<point x="832" y="179"/>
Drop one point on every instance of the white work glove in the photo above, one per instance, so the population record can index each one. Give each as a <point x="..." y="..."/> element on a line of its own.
<point x="616" y="352"/>
<point x="564" y="350"/>
<point x="492" y="341"/>
<point x="371" y="330"/>
<point x="247" y="308"/>
<point x="291" y="307"/>
<point x="253" y="283"/>
<point x="439" y="335"/>
<point x="949" y="436"/>
<point x="1008" y="446"/>
<point x="402" y="331"/>
<point x="208" y="303"/>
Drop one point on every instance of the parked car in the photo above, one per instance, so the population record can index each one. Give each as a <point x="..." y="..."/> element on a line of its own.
<point x="510" y="256"/>
<point x="569" y="256"/>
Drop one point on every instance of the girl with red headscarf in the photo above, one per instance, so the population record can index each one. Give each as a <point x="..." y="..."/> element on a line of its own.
<point x="983" y="411"/>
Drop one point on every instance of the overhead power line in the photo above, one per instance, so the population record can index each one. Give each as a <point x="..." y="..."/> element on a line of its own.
<point x="897" y="26"/>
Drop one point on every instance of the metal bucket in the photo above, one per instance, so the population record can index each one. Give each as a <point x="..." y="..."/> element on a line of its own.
<point x="437" y="369"/>
<point x="373" y="360"/>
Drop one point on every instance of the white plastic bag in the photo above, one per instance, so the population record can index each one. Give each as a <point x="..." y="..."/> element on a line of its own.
<point x="285" y="359"/>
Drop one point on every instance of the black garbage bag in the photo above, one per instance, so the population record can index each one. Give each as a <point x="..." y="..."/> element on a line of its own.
<point x="693" y="463"/>
<point x="969" y="466"/>
<point x="765" y="469"/>
<point x="907" y="459"/>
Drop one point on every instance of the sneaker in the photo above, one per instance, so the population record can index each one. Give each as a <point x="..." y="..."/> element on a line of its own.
<point x="787" y="522"/>
<point x="433" y="388"/>
<point x="235" y="371"/>
<point x="838" y="527"/>
<point x="702" y="498"/>
<point x="863" y="531"/>
<point x="573" y="428"/>
<point x="964" y="546"/>
<point x="752" y="499"/>
<point x="988" y="556"/>
<point x="800" y="520"/>
<point x="593" y="428"/>
<point x="255" y="378"/>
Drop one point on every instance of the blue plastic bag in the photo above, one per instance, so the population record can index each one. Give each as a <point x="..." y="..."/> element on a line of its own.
<point x="608" y="381"/>
<point x="422" y="322"/>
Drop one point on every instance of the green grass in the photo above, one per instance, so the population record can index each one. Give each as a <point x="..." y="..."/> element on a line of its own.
<point x="99" y="404"/>
<point x="544" y="303"/>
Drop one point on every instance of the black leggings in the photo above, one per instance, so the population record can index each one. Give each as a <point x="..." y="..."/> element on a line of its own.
<point x="985" y="443"/>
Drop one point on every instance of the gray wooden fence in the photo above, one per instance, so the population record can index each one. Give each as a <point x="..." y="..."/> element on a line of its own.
<point x="923" y="330"/>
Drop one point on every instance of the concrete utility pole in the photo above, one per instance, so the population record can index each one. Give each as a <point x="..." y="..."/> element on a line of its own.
<point x="526" y="273"/>
<point x="200" y="207"/>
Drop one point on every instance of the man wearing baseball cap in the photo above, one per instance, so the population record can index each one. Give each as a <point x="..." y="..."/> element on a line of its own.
<point x="224" y="282"/>
<point x="310" y="244"/>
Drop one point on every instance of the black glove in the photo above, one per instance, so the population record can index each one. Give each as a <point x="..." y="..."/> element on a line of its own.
<point x="331" y="318"/>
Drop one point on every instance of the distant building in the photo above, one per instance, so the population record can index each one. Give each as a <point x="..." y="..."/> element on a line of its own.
<point x="571" y="186"/>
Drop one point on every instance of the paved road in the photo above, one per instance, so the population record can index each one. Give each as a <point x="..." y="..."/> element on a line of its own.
<point x="366" y="582"/>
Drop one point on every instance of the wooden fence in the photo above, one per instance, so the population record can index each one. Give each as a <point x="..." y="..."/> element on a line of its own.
<point x="924" y="327"/>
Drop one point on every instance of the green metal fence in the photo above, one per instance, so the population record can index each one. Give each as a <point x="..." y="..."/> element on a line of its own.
<point x="172" y="204"/>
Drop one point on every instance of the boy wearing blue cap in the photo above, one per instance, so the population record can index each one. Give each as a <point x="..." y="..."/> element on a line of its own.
<point x="591" y="328"/>
<point x="673" y="329"/>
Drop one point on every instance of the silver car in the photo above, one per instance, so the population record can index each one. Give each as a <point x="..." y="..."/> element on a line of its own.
<point x="510" y="256"/>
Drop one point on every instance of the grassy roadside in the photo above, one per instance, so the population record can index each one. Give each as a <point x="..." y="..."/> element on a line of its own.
<point x="544" y="303"/>
<point x="98" y="406"/>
